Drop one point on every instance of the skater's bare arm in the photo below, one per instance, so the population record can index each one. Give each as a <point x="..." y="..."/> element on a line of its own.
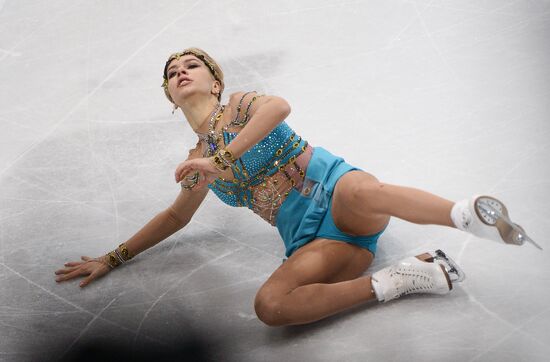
<point x="170" y="220"/>
<point x="167" y="222"/>
<point x="157" y="229"/>
<point x="164" y="224"/>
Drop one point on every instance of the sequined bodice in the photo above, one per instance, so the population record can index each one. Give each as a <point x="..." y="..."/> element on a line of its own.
<point x="265" y="174"/>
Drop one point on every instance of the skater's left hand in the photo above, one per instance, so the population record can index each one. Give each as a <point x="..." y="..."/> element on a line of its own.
<point x="207" y="171"/>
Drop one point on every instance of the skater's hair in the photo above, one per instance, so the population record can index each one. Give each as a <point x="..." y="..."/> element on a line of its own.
<point x="212" y="65"/>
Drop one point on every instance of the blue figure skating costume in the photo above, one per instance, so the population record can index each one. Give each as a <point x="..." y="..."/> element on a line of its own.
<point x="289" y="184"/>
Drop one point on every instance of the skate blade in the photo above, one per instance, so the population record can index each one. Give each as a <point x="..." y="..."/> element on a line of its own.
<point x="523" y="236"/>
<point x="455" y="272"/>
<point x="511" y="233"/>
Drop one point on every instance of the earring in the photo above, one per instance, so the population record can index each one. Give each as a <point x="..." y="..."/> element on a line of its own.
<point x="175" y="107"/>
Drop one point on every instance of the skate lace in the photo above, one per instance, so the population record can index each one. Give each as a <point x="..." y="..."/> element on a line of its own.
<point x="409" y="280"/>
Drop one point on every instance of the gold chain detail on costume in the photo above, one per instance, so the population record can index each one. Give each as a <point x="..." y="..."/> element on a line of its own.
<point x="212" y="139"/>
<point x="264" y="193"/>
<point x="244" y="121"/>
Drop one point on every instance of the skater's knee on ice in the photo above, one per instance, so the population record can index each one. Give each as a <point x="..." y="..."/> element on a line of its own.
<point x="268" y="308"/>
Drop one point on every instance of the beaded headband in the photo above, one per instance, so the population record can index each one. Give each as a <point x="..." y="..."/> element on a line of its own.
<point x="181" y="54"/>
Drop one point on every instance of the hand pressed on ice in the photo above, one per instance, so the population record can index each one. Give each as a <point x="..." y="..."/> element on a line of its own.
<point x="207" y="171"/>
<point x="93" y="268"/>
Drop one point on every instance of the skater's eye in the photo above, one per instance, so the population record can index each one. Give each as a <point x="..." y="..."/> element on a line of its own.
<point x="189" y="66"/>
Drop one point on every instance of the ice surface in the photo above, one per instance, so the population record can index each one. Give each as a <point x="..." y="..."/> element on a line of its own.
<point x="446" y="96"/>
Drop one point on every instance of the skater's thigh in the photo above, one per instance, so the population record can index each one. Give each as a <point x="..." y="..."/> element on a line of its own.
<point x="319" y="261"/>
<point x="352" y="204"/>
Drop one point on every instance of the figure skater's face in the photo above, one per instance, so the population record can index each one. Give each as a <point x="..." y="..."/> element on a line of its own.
<point x="189" y="76"/>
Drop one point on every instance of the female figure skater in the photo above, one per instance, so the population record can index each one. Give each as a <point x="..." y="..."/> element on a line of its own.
<point x="328" y="213"/>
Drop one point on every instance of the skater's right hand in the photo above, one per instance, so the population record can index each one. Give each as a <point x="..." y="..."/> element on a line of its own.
<point x="94" y="268"/>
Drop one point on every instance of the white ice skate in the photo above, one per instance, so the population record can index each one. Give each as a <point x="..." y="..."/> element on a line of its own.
<point x="487" y="217"/>
<point x="436" y="275"/>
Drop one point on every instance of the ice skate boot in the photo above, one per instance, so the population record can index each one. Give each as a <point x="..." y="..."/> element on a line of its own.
<point x="487" y="217"/>
<point x="436" y="275"/>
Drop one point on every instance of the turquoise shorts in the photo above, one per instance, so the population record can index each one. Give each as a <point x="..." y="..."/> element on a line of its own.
<point x="305" y="215"/>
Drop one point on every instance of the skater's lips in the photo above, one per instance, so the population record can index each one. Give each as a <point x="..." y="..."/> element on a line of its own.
<point x="183" y="79"/>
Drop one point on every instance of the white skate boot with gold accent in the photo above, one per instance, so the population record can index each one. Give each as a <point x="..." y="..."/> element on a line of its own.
<point x="436" y="275"/>
<point x="487" y="217"/>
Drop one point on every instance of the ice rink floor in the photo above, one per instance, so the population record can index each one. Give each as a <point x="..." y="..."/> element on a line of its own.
<point x="451" y="97"/>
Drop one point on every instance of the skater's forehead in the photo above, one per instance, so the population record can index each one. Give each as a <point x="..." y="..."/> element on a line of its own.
<point x="184" y="59"/>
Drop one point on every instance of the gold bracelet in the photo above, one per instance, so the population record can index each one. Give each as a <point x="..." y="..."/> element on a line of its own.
<point x="226" y="156"/>
<point x="217" y="161"/>
<point x="222" y="159"/>
<point x="118" y="256"/>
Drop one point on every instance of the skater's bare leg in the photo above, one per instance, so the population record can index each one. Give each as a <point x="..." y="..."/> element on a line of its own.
<point x="362" y="205"/>
<point x="320" y="279"/>
<point x="414" y="205"/>
<point x="361" y="201"/>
